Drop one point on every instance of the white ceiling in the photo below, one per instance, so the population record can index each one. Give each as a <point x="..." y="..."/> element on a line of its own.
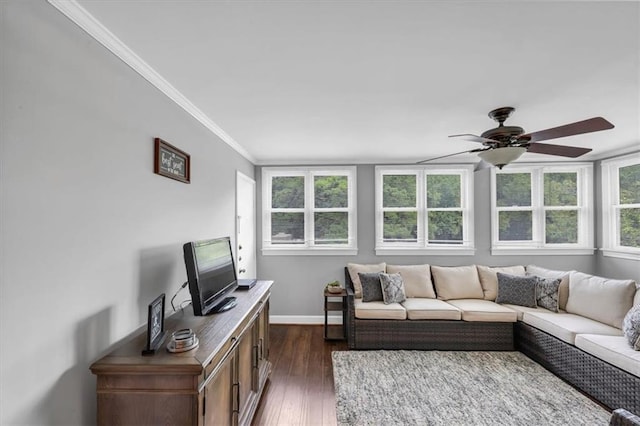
<point x="301" y="82"/>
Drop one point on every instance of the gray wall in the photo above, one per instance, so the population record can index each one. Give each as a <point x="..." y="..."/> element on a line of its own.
<point x="299" y="280"/>
<point x="90" y="235"/>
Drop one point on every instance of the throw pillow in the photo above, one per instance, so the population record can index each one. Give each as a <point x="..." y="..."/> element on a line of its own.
<point x="355" y="268"/>
<point x="547" y="291"/>
<point x="563" y="291"/>
<point x="517" y="290"/>
<point x="371" y="287"/>
<point x="489" y="279"/>
<point x="631" y="327"/>
<point x="392" y="288"/>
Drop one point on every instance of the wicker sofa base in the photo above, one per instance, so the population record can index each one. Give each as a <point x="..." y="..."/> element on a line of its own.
<point x="610" y="385"/>
<point x="431" y="335"/>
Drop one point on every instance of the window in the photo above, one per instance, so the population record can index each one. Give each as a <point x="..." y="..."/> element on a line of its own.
<point x="621" y="206"/>
<point x="542" y="209"/>
<point x="309" y="210"/>
<point x="424" y="209"/>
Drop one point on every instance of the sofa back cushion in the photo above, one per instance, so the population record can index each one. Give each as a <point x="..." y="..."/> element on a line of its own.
<point x="563" y="289"/>
<point x="636" y="300"/>
<point x="600" y="299"/>
<point x="356" y="268"/>
<point x="457" y="282"/>
<point x="417" y="279"/>
<point x="489" y="279"/>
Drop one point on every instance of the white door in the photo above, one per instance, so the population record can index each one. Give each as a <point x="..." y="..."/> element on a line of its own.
<point x="245" y="226"/>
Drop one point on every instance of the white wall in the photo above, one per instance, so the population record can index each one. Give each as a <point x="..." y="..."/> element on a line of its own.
<point x="89" y="234"/>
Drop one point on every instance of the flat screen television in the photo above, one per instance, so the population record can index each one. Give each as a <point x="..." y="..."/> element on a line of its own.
<point x="211" y="274"/>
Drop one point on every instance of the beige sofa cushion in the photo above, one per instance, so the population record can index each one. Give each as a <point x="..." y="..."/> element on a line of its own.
<point x="355" y="268"/>
<point x="563" y="290"/>
<point x="419" y="308"/>
<point x="567" y="326"/>
<point x="613" y="349"/>
<point x="484" y="311"/>
<point x="520" y="310"/>
<point x="599" y="298"/>
<point x="378" y="310"/>
<point x="417" y="279"/>
<point x="457" y="282"/>
<point x="489" y="279"/>
<point x="636" y="299"/>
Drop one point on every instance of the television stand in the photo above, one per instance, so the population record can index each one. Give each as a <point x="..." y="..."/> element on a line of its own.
<point x="224" y="305"/>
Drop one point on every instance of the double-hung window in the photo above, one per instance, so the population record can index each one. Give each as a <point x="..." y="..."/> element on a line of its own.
<point x="621" y="206"/>
<point x="309" y="210"/>
<point x="426" y="209"/>
<point x="542" y="209"/>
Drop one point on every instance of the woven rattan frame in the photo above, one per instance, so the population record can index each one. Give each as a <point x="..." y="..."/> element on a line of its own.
<point x="610" y="385"/>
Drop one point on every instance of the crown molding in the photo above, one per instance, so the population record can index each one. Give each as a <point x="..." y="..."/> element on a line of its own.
<point x="82" y="18"/>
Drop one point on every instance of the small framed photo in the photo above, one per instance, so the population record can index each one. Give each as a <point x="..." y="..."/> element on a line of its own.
<point x="172" y="162"/>
<point x="155" y="326"/>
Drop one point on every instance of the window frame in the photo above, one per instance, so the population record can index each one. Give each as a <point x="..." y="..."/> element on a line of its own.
<point x="309" y="246"/>
<point x="538" y="244"/>
<point x="422" y="245"/>
<point x="610" y="190"/>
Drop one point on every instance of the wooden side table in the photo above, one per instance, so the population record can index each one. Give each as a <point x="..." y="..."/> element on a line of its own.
<point x="335" y="332"/>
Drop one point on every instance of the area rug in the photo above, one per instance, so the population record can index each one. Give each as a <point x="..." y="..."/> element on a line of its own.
<point x="454" y="388"/>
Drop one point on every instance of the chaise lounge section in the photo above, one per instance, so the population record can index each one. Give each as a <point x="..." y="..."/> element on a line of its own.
<point x="454" y="308"/>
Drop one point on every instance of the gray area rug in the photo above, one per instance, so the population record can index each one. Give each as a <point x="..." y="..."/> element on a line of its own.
<point x="454" y="388"/>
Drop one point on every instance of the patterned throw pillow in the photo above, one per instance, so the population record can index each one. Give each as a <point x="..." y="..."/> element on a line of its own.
<point x="517" y="290"/>
<point x="631" y="327"/>
<point x="371" y="287"/>
<point x="392" y="288"/>
<point x="547" y="290"/>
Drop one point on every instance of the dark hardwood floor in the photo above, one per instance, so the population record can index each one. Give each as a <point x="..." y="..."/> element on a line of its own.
<point x="300" y="391"/>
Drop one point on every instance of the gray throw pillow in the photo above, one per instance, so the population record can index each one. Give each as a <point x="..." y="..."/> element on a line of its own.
<point x="631" y="327"/>
<point x="547" y="293"/>
<point x="371" y="287"/>
<point x="392" y="288"/>
<point x="517" y="290"/>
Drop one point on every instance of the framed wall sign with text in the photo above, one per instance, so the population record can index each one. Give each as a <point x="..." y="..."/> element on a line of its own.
<point x="172" y="162"/>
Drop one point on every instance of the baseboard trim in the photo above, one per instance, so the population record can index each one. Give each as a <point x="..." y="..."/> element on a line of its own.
<point x="304" y="319"/>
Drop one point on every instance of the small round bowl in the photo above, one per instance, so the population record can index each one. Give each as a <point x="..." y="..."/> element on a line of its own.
<point x="334" y="289"/>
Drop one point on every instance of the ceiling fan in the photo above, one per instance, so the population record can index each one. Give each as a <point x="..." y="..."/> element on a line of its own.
<point x="504" y="144"/>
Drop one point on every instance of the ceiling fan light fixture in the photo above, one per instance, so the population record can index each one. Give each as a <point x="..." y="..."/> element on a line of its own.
<point x="500" y="157"/>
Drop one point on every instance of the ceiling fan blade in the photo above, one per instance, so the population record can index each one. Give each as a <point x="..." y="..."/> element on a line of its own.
<point x="594" y="124"/>
<point x="561" y="150"/>
<point x="451" y="155"/>
<point x="473" y="138"/>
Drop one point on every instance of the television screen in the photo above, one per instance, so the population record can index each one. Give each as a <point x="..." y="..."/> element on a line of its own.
<point x="211" y="274"/>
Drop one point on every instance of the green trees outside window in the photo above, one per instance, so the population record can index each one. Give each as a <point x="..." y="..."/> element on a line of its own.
<point x="629" y="216"/>
<point x="422" y="207"/>
<point x="309" y="207"/>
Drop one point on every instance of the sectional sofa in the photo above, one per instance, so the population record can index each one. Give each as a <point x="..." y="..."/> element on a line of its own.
<point x="579" y="338"/>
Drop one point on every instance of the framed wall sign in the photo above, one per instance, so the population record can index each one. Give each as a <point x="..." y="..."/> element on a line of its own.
<point x="172" y="162"/>
<point x="155" y="326"/>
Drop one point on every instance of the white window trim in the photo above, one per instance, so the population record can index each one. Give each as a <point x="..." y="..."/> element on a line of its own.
<point x="610" y="203"/>
<point x="467" y="248"/>
<point x="585" y="245"/>
<point x="309" y="247"/>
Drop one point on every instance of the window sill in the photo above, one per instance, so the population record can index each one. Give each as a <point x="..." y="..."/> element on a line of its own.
<point x="307" y="251"/>
<point x="544" y="251"/>
<point x="440" y="251"/>
<point x="621" y="254"/>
